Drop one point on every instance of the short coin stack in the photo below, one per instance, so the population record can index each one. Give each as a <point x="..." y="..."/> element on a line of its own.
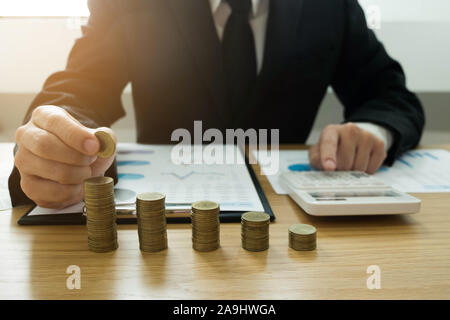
<point x="151" y="218"/>
<point x="101" y="214"/>
<point x="255" y="231"/>
<point x="302" y="237"/>
<point x="205" y="226"/>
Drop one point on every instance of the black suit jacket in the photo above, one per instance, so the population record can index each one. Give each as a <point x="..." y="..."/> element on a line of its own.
<point x="170" y="52"/>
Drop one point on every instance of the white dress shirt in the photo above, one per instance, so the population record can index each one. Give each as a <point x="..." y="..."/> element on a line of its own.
<point x="221" y="11"/>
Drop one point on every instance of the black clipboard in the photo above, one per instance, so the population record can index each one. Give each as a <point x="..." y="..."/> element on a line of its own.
<point x="80" y="219"/>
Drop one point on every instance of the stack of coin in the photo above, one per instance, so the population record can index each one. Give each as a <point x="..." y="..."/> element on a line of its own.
<point x="302" y="237"/>
<point x="205" y="226"/>
<point x="151" y="218"/>
<point x="255" y="231"/>
<point x="101" y="214"/>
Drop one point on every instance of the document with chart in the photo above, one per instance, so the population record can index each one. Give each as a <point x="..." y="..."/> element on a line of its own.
<point x="150" y="168"/>
<point x="416" y="171"/>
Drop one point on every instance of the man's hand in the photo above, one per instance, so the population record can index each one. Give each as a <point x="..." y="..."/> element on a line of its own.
<point x="55" y="155"/>
<point x="347" y="147"/>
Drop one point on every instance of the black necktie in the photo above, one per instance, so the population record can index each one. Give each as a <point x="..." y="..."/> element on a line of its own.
<point x="239" y="55"/>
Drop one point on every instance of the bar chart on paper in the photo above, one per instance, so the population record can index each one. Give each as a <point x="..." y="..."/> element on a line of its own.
<point x="142" y="168"/>
<point x="417" y="171"/>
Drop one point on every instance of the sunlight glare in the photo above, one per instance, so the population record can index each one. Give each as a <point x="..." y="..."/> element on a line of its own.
<point x="43" y="8"/>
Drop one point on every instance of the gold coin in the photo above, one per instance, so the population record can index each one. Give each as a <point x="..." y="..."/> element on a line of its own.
<point x="151" y="196"/>
<point x="107" y="143"/>
<point x="258" y="217"/>
<point x="95" y="181"/>
<point x="302" y="229"/>
<point x="205" y="206"/>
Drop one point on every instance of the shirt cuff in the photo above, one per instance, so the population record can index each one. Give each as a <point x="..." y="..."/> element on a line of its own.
<point x="378" y="131"/>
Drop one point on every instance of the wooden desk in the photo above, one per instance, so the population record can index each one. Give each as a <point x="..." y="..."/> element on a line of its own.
<point x="412" y="251"/>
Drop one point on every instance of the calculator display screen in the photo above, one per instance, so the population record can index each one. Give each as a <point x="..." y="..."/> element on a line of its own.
<point x="344" y="195"/>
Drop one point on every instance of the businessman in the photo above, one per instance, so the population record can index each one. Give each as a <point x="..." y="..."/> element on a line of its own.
<point x="230" y="63"/>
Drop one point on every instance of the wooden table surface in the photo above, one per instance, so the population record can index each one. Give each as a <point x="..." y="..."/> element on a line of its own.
<point x="413" y="253"/>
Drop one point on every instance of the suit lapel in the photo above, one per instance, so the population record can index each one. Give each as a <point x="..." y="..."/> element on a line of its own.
<point x="196" y="24"/>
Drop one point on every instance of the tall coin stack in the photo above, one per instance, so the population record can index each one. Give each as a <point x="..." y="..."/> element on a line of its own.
<point x="302" y="237"/>
<point x="151" y="218"/>
<point x="205" y="226"/>
<point x="101" y="214"/>
<point x="255" y="231"/>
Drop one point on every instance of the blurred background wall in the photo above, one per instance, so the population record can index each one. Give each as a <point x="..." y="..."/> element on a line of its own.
<point x="36" y="36"/>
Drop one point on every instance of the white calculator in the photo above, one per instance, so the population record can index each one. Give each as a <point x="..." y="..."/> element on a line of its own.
<point x="345" y="193"/>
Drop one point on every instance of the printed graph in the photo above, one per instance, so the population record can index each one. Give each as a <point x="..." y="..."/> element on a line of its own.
<point x="191" y="173"/>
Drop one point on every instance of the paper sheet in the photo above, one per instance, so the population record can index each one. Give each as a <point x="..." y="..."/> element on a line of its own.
<point x="144" y="168"/>
<point x="417" y="171"/>
<point x="76" y="208"/>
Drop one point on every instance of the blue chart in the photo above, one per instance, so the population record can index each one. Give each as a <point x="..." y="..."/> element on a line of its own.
<point x="418" y="156"/>
<point x="133" y="163"/>
<point x="406" y="163"/>
<point x="431" y="156"/>
<point x="421" y="154"/>
<point x="301" y="167"/>
<point x="130" y="176"/>
<point x="419" y="171"/>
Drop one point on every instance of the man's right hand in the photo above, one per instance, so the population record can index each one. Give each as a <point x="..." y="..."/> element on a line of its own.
<point x="55" y="155"/>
